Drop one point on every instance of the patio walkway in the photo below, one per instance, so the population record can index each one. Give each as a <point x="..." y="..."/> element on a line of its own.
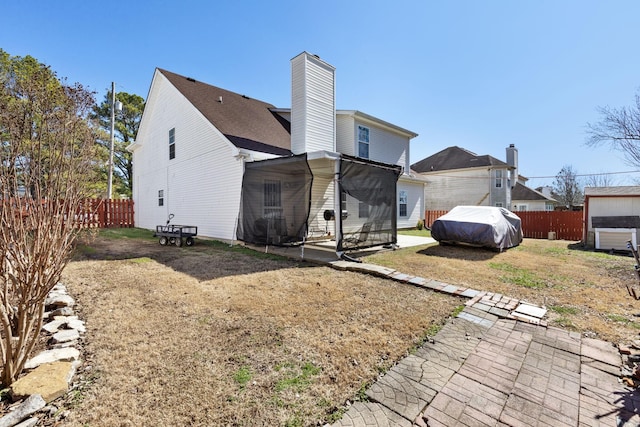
<point x="496" y="364"/>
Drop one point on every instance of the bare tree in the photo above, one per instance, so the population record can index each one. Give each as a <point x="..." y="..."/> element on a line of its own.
<point x="620" y="128"/>
<point x="46" y="167"/>
<point x="599" y="180"/>
<point x="567" y="187"/>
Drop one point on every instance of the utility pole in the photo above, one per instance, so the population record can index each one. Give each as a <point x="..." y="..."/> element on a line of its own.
<point x="115" y="105"/>
<point x="113" y="119"/>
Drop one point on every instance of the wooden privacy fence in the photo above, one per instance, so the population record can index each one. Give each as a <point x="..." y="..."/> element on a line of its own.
<point x="91" y="213"/>
<point x="103" y="213"/>
<point x="568" y="225"/>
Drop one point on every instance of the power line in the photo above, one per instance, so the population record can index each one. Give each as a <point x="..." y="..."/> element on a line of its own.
<point x="587" y="174"/>
<point x="528" y="177"/>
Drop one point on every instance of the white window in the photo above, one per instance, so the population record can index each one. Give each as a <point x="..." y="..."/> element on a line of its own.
<point x="498" y="204"/>
<point x="272" y="194"/>
<point x="172" y="143"/>
<point x="402" y="203"/>
<point x="160" y="197"/>
<point x="343" y="201"/>
<point x="498" y="178"/>
<point x="521" y="208"/>
<point x="363" y="142"/>
<point x="548" y="207"/>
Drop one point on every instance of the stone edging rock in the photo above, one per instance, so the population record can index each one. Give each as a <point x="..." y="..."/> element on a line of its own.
<point x="48" y="375"/>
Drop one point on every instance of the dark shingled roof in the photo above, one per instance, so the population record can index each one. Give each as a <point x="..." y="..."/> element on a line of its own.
<point x="522" y="192"/>
<point x="455" y="158"/>
<point x="247" y="123"/>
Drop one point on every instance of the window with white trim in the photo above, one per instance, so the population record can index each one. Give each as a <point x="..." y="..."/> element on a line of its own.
<point x="498" y="178"/>
<point x="272" y="198"/>
<point x="172" y="143"/>
<point x="402" y="203"/>
<point x="498" y="204"/>
<point x="160" y="197"/>
<point x="363" y="142"/>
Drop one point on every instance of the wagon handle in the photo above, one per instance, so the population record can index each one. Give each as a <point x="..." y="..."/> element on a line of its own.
<point x="170" y="218"/>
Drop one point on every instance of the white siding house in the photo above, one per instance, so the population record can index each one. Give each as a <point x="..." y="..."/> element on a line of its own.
<point x="456" y="176"/>
<point x="206" y="167"/>
<point x="195" y="139"/>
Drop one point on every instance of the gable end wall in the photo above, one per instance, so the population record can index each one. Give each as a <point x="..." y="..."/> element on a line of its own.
<point x="201" y="185"/>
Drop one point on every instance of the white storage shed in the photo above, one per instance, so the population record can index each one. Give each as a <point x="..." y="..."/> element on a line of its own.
<point x="612" y="216"/>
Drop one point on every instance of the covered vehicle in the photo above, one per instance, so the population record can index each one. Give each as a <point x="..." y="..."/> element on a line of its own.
<point x="485" y="226"/>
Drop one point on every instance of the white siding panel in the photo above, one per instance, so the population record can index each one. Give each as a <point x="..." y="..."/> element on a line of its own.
<point x="449" y="189"/>
<point x="322" y="192"/>
<point x="313" y="105"/>
<point x="384" y="146"/>
<point x="201" y="185"/>
<point x="346" y="135"/>
<point x="613" y="206"/>
<point x="415" y="205"/>
<point x="387" y="147"/>
<point x="532" y="205"/>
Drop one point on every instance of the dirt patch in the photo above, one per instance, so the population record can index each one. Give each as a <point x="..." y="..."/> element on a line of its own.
<point x="585" y="291"/>
<point x="208" y="336"/>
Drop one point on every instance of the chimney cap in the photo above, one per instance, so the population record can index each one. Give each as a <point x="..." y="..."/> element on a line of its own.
<point x="512" y="145"/>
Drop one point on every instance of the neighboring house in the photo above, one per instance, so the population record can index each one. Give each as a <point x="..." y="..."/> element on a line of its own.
<point x="524" y="198"/>
<point x="612" y="216"/>
<point x="456" y="176"/>
<point x="196" y="142"/>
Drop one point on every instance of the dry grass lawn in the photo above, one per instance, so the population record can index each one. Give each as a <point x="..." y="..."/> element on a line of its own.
<point x="209" y="336"/>
<point x="584" y="291"/>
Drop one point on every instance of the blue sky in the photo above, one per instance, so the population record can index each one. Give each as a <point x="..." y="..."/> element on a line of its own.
<point x="476" y="74"/>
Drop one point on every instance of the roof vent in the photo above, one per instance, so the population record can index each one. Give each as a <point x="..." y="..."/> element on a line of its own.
<point x="245" y="97"/>
<point x="220" y="99"/>
<point x="191" y="79"/>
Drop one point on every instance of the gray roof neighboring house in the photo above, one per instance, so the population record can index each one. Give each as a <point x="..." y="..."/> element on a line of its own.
<point x="455" y="158"/>
<point x="247" y="123"/>
<point x="522" y="192"/>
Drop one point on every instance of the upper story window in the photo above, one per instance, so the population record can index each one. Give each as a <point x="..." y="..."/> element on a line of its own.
<point x="160" y="197"/>
<point x="498" y="178"/>
<point x="172" y="143"/>
<point x="363" y="142"/>
<point x="402" y="203"/>
<point x="499" y="204"/>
